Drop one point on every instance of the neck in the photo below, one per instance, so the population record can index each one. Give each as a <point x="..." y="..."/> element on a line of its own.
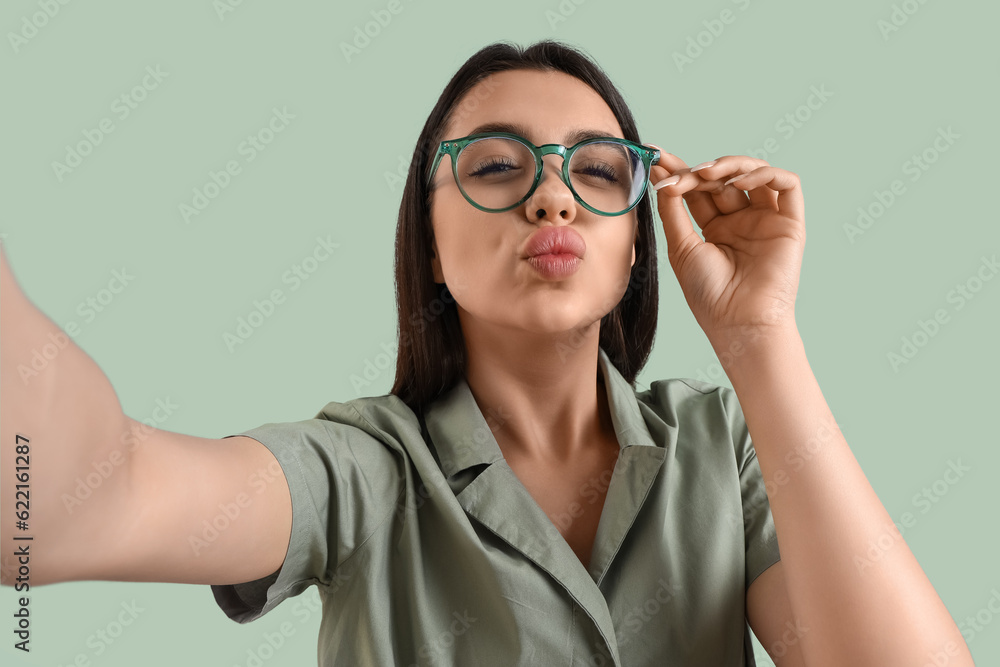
<point x="548" y="388"/>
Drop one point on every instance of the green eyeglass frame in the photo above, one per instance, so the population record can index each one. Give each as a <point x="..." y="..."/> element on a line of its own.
<point x="452" y="147"/>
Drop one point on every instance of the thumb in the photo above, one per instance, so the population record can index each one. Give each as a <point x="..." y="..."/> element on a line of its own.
<point x="677" y="224"/>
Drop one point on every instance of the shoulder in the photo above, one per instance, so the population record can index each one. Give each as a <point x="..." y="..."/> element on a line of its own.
<point x="370" y="422"/>
<point x="686" y="397"/>
<point x="381" y="423"/>
<point x="701" y="412"/>
<point x="379" y="416"/>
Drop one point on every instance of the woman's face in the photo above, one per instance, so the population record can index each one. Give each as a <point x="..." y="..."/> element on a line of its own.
<point x="482" y="257"/>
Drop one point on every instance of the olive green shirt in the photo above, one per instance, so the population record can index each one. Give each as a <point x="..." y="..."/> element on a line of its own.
<point x="427" y="549"/>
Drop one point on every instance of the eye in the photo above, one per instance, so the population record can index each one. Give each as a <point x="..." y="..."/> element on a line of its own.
<point x="599" y="170"/>
<point x="494" y="166"/>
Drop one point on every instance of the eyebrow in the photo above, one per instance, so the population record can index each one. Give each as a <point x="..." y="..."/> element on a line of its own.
<point x="573" y="137"/>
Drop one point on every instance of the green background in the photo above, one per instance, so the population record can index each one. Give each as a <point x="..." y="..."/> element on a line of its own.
<point x="162" y="336"/>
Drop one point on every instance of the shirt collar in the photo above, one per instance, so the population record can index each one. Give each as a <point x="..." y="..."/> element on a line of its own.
<point x="462" y="436"/>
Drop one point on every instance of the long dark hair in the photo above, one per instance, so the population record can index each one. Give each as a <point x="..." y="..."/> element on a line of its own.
<point x="431" y="356"/>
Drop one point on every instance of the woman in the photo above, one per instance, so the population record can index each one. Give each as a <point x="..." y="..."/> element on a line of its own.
<point x="514" y="500"/>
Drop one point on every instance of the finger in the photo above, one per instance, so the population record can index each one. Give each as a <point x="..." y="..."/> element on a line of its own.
<point x="701" y="204"/>
<point x="707" y="199"/>
<point x="677" y="224"/>
<point x="727" y="199"/>
<point x="776" y="187"/>
<point x="726" y="168"/>
<point x="759" y="197"/>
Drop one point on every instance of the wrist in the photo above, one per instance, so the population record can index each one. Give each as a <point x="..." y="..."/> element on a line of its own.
<point x="751" y="347"/>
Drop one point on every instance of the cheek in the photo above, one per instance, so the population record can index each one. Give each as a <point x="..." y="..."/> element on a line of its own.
<point x="470" y="256"/>
<point x="616" y="248"/>
<point x="614" y="271"/>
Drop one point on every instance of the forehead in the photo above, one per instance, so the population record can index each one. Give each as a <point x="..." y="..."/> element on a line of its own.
<point x="551" y="106"/>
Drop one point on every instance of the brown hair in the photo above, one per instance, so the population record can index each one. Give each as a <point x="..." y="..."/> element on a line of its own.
<point x="431" y="356"/>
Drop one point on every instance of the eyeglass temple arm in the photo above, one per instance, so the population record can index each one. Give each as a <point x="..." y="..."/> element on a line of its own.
<point x="437" y="160"/>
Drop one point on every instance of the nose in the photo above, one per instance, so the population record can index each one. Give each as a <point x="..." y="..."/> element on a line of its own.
<point x="552" y="199"/>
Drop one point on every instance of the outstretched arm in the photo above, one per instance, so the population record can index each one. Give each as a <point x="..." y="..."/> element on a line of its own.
<point x="105" y="497"/>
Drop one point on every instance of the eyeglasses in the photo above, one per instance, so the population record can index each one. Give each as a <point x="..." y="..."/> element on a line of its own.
<point x="497" y="171"/>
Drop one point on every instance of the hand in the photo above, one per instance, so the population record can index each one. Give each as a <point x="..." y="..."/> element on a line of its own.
<point x="743" y="278"/>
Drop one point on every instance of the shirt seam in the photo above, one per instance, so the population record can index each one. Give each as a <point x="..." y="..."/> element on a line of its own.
<point x="283" y="592"/>
<point x="367" y="539"/>
<point x="309" y="527"/>
<point x="705" y="393"/>
<point x="741" y="466"/>
<point x="381" y="521"/>
<point x="741" y="469"/>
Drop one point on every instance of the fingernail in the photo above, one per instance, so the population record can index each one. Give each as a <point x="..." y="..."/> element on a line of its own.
<point x="703" y="165"/>
<point x="665" y="182"/>
<point x="735" y="178"/>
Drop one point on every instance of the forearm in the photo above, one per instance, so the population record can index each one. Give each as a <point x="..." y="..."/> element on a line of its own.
<point x="57" y="404"/>
<point x="859" y="610"/>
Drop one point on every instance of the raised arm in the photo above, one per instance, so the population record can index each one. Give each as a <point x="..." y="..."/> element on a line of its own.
<point x="105" y="497"/>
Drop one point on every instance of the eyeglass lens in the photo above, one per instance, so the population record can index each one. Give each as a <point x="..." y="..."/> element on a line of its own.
<point x="497" y="172"/>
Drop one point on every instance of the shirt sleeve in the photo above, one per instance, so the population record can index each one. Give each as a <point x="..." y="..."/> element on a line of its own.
<point x="343" y="484"/>
<point x="760" y="537"/>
